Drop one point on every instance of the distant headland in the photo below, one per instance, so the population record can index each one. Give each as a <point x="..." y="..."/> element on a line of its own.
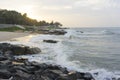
<point x="12" y="21"/>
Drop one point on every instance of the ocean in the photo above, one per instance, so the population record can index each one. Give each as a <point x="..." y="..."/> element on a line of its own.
<point x="94" y="50"/>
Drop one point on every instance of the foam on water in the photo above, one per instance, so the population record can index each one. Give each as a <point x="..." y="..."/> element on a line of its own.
<point x="60" y="52"/>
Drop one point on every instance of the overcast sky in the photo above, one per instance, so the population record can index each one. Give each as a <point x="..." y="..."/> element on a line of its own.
<point x="71" y="13"/>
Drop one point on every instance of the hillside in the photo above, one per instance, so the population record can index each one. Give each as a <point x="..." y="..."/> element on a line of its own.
<point x="14" y="17"/>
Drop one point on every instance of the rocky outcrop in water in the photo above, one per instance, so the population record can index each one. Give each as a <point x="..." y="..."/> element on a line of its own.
<point x="52" y="32"/>
<point x="12" y="68"/>
<point x="57" y="32"/>
<point x="50" y="41"/>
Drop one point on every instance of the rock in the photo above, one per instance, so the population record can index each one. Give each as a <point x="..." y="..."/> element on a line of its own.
<point x="8" y="53"/>
<point x="12" y="70"/>
<point x="1" y="53"/>
<point x="17" y="63"/>
<point x="5" y="47"/>
<point x="9" y="49"/>
<point x="4" y="74"/>
<point x="41" y="66"/>
<point x="49" y="75"/>
<point x="20" y="59"/>
<point x="61" y="78"/>
<point x="57" y="32"/>
<point x="36" y="71"/>
<point x="21" y="69"/>
<point x="3" y="58"/>
<point x="32" y="50"/>
<point x="6" y="62"/>
<point x="61" y="74"/>
<point x="27" y="63"/>
<point x="118" y="79"/>
<point x="53" y="32"/>
<point x="78" y="75"/>
<point x="64" y="70"/>
<point x="114" y="78"/>
<point x="31" y="68"/>
<point x="23" y="74"/>
<point x="17" y="77"/>
<point x="87" y="76"/>
<point x="81" y="31"/>
<point x="50" y="41"/>
<point x="22" y="50"/>
<point x="18" y="49"/>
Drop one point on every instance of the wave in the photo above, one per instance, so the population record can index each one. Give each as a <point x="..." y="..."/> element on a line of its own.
<point x="108" y="32"/>
<point x="102" y="74"/>
<point x="90" y="31"/>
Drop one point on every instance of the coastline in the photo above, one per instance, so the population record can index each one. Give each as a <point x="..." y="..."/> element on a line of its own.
<point x="4" y="36"/>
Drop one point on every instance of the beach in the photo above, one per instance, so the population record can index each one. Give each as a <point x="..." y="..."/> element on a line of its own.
<point x="14" y="65"/>
<point x="89" y="51"/>
<point x="4" y="36"/>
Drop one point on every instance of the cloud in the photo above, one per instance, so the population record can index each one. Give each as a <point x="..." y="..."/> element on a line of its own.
<point x="97" y="4"/>
<point x="83" y="12"/>
<point x="56" y="8"/>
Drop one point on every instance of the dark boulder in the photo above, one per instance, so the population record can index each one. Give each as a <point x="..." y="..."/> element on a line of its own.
<point x="4" y="74"/>
<point x="50" y="41"/>
<point x="3" y="58"/>
<point x="32" y="50"/>
<point x="49" y="75"/>
<point x="22" y="50"/>
<point x="17" y="77"/>
<point x="79" y="75"/>
<point x="5" y="47"/>
<point x="57" y="32"/>
<point x="61" y="78"/>
<point x="9" y="49"/>
<point x="18" y="49"/>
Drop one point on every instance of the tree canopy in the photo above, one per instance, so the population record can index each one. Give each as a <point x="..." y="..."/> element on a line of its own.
<point x="14" y="17"/>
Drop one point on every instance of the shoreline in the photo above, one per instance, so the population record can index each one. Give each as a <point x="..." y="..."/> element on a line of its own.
<point x="5" y="36"/>
<point x="12" y="68"/>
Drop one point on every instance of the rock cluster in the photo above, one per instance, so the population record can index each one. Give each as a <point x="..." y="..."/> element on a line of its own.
<point x="57" y="32"/>
<point x="18" y="49"/>
<point x="53" y="32"/>
<point x="12" y="68"/>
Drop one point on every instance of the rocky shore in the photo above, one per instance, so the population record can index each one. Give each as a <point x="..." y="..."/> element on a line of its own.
<point x="52" y="32"/>
<point x="12" y="68"/>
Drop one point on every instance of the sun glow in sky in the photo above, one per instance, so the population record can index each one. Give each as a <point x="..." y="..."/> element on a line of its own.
<point x="71" y="13"/>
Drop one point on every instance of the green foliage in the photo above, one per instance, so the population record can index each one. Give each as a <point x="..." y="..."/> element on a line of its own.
<point x="14" y="17"/>
<point x="11" y="29"/>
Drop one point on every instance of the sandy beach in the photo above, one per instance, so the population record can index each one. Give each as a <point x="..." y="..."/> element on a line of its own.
<point x="4" y="36"/>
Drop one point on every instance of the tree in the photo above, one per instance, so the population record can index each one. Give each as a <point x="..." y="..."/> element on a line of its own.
<point x="14" y="17"/>
<point x="57" y="24"/>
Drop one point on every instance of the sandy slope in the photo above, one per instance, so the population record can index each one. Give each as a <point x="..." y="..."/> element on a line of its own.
<point x="4" y="36"/>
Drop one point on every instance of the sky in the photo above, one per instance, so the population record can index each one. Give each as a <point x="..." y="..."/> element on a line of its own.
<point x="71" y="13"/>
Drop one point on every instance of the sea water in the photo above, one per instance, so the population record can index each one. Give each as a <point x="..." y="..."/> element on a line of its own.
<point x="94" y="50"/>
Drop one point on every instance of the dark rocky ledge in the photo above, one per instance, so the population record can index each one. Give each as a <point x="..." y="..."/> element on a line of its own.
<point x="52" y="32"/>
<point x="12" y="68"/>
<point x="18" y="49"/>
